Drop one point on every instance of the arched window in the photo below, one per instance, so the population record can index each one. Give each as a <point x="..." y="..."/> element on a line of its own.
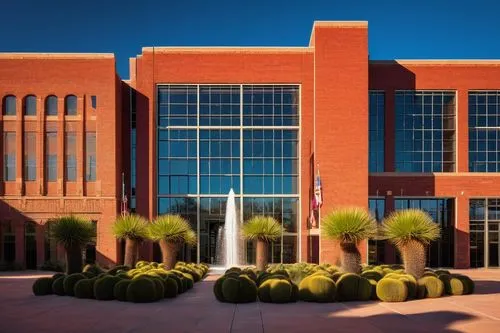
<point x="51" y="106"/>
<point x="9" y="105"/>
<point x="70" y="105"/>
<point x="30" y="105"/>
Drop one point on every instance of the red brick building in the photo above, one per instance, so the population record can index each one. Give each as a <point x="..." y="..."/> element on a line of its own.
<point x="192" y="123"/>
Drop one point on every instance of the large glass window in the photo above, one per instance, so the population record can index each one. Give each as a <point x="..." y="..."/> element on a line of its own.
<point x="376" y="131"/>
<point x="199" y="162"/>
<point x="29" y="156"/>
<point x="51" y="156"/>
<point x="9" y="156"/>
<point x="70" y="156"/>
<point x="90" y="157"/>
<point x="440" y="252"/>
<point x="51" y="106"/>
<point x="484" y="131"/>
<point x="425" y="131"/>
<point x="484" y="224"/>
<point x="9" y="105"/>
<point x="30" y="105"/>
<point x="376" y="247"/>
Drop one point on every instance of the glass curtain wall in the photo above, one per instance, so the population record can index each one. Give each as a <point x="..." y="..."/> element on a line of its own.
<point x="484" y="222"/>
<point x="213" y="138"/>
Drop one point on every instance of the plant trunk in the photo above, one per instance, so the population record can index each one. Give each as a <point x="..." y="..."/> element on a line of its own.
<point x="168" y="253"/>
<point x="414" y="254"/>
<point x="74" y="260"/>
<point x="261" y="254"/>
<point x="350" y="258"/>
<point x="131" y="251"/>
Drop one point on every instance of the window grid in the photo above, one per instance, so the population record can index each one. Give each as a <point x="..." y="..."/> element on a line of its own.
<point x="376" y="131"/>
<point x="30" y="105"/>
<point x="9" y="153"/>
<point x="51" y="106"/>
<point x="51" y="156"/>
<point x="425" y="131"/>
<point x="225" y="121"/>
<point x="90" y="157"/>
<point x="9" y="105"/>
<point x="30" y="156"/>
<point x="484" y="131"/>
<point x="70" y="156"/>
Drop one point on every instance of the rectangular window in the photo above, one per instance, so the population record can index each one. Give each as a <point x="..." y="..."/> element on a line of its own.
<point x="90" y="157"/>
<point x="484" y="131"/>
<point x="9" y="156"/>
<point x="376" y="131"/>
<point x="425" y="131"/>
<point x="29" y="156"/>
<point x="70" y="156"/>
<point x="51" y="156"/>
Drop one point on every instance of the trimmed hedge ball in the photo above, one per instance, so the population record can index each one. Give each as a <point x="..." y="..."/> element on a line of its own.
<point x="322" y="289"/>
<point x="70" y="281"/>
<point x="58" y="286"/>
<point x="429" y="273"/>
<point x="372" y="275"/>
<point x="171" y="288"/>
<point x="411" y="284"/>
<point x="347" y="287"/>
<point x="42" y="286"/>
<point x="364" y="289"/>
<point x="430" y="287"/>
<point x="336" y="276"/>
<point x="264" y="291"/>
<point x="85" y="288"/>
<point x="392" y="290"/>
<point x="104" y="287"/>
<point x="439" y="272"/>
<point x="247" y="290"/>
<point x="114" y="270"/>
<point x="120" y="290"/>
<point x="280" y="291"/>
<point x="141" y="291"/>
<point x="89" y="275"/>
<point x="57" y="276"/>
<point x="457" y="284"/>
<point x="230" y="289"/>
<point x="373" y="292"/>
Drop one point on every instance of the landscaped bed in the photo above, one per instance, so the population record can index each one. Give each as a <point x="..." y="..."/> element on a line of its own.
<point x="147" y="282"/>
<point x="326" y="283"/>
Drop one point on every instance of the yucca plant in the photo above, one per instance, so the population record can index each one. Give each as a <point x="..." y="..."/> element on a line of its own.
<point x="411" y="230"/>
<point x="263" y="230"/>
<point x="171" y="232"/>
<point x="349" y="226"/>
<point x="72" y="233"/>
<point x="133" y="229"/>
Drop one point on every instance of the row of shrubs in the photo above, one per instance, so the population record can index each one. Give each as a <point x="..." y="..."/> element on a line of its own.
<point x="325" y="283"/>
<point x="147" y="282"/>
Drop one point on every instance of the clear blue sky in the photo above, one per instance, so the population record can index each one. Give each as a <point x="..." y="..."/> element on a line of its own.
<point x="397" y="29"/>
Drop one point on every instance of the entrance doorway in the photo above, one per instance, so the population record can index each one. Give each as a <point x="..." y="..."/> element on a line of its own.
<point x="484" y="224"/>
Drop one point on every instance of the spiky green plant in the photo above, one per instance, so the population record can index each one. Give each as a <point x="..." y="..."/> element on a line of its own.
<point x="411" y="230"/>
<point x="72" y="233"/>
<point x="171" y="231"/>
<point x="133" y="229"/>
<point x="263" y="230"/>
<point x="349" y="226"/>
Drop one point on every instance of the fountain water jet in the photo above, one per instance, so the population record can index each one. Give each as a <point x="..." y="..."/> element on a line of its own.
<point x="231" y="233"/>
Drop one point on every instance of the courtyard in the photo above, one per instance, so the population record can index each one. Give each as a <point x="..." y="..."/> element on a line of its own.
<point x="199" y="311"/>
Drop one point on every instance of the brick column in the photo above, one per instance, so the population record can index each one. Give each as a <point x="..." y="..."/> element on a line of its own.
<point x="19" y="147"/>
<point x="40" y="244"/>
<point x="40" y="147"/>
<point x="19" y="232"/>
<point x="462" y="243"/>
<point x="80" y="152"/>
<point x="462" y="131"/>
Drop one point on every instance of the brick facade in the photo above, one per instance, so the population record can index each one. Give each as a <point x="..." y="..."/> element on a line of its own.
<point x="334" y="74"/>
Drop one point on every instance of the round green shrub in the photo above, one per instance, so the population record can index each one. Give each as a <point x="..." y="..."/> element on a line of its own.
<point x="123" y="276"/>
<point x="439" y="272"/>
<point x="188" y="281"/>
<point x="322" y="289"/>
<point x="261" y="277"/>
<point x="364" y="289"/>
<point x="84" y="288"/>
<point x="247" y="290"/>
<point x="264" y="291"/>
<point x="70" y="281"/>
<point x="347" y="287"/>
<point x="120" y="290"/>
<point x="391" y="290"/>
<point x="42" y="286"/>
<point x="304" y="291"/>
<point x="280" y="291"/>
<point x="57" y="276"/>
<point x="89" y="275"/>
<point x="336" y="276"/>
<point x="58" y="286"/>
<point x="141" y="291"/>
<point x="457" y="284"/>
<point x="373" y="292"/>
<point x="411" y="284"/>
<point x="230" y="289"/>
<point x="93" y="268"/>
<point x="372" y="275"/>
<point x="233" y="269"/>
<point x="430" y="287"/>
<point x="469" y="285"/>
<point x="160" y="289"/>
<point x="428" y="273"/>
<point x="295" y="293"/>
<point x="114" y="270"/>
<point x="104" y="287"/>
<point x="180" y="285"/>
<point x="251" y="274"/>
<point x="170" y="286"/>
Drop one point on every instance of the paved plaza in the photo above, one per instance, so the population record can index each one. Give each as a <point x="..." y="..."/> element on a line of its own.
<point x="198" y="311"/>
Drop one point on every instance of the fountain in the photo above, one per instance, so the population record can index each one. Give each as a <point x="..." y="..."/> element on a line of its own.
<point x="231" y="232"/>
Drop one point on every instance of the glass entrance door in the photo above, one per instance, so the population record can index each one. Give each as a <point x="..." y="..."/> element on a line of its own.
<point x="484" y="223"/>
<point x="493" y="248"/>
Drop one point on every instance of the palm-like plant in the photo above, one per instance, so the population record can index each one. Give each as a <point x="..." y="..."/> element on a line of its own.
<point x="171" y="231"/>
<point x="262" y="229"/>
<point x="349" y="226"/>
<point x="134" y="229"/>
<point x="72" y="233"/>
<point x="411" y="230"/>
